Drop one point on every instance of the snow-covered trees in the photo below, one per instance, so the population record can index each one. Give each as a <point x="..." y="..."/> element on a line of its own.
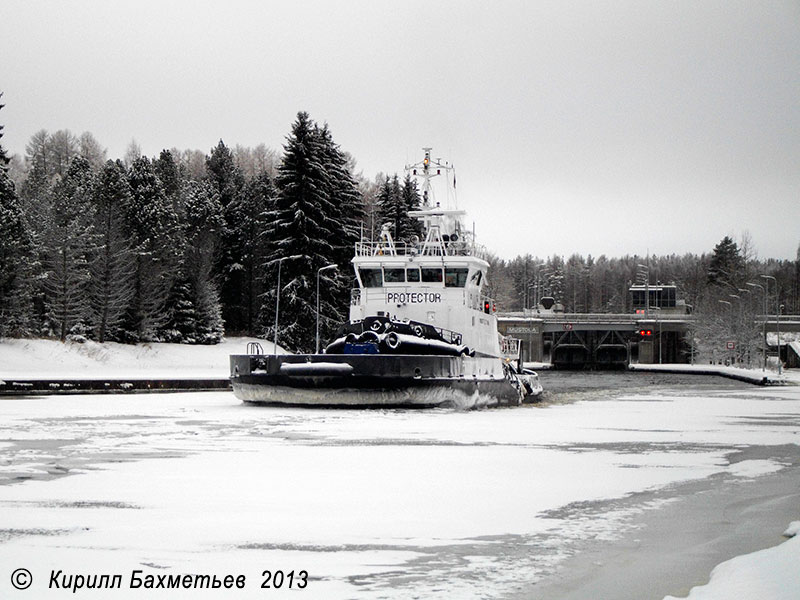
<point x="248" y="214"/>
<point x="15" y="257"/>
<point x="726" y="264"/>
<point x="395" y="201"/>
<point x="68" y="246"/>
<point x="193" y="307"/>
<point x="310" y="226"/>
<point x="224" y="176"/>
<point x="153" y="227"/>
<point x="113" y="263"/>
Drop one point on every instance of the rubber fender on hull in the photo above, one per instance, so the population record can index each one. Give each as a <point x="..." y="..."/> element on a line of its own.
<point x="392" y="341"/>
<point x="368" y="337"/>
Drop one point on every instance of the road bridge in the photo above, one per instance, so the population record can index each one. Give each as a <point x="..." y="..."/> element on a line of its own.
<point x="591" y="340"/>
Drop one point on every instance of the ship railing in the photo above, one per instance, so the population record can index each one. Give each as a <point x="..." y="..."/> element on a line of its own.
<point x="459" y="248"/>
<point x="254" y="348"/>
<point x="595" y="317"/>
<point x="383" y="248"/>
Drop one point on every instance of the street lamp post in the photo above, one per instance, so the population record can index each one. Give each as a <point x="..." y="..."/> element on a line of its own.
<point x="277" y="308"/>
<point x="777" y="317"/>
<point x="646" y="269"/>
<point x="778" y="330"/>
<point x="730" y="306"/>
<point x="764" y="349"/>
<point x="658" y="322"/>
<point x="736" y="329"/>
<point x="320" y="270"/>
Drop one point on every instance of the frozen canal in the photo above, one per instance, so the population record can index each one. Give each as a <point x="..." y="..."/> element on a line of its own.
<point x="501" y="503"/>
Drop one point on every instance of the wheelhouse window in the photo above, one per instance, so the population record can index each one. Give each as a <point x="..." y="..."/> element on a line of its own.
<point x="371" y="278"/>
<point x="394" y="275"/>
<point x="455" y="277"/>
<point x="431" y="275"/>
<point x="412" y="275"/>
<point x="476" y="277"/>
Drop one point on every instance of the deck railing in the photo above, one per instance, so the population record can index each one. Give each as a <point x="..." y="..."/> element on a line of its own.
<point x="459" y="248"/>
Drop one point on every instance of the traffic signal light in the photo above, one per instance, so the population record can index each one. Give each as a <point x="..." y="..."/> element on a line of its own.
<point x="645" y="332"/>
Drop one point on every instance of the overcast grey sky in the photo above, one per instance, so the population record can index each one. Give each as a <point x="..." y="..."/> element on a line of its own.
<point x="591" y="127"/>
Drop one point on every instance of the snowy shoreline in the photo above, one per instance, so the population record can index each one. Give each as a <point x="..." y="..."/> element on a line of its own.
<point x="756" y="376"/>
<point x="42" y="359"/>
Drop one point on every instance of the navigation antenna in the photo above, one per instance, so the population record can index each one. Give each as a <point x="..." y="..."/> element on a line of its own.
<point x="427" y="170"/>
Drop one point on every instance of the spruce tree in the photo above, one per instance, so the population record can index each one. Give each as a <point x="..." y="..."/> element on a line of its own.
<point x="204" y="228"/>
<point x="113" y="265"/>
<point x="227" y="180"/>
<point x="36" y="193"/>
<point x="303" y="234"/>
<point x="153" y="226"/>
<point x="69" y="242"/>
<point x="16" y="257"/>
<point x="168" y="172"/>
<point x="726" y="264"/>
<point x="392" y="207"/>
<point x="349" y="211"/>
<point x="249" y="212"/>
<point x="181" y="327"/>
<point x="395" y="202"/>
<point x="411" y="201"/>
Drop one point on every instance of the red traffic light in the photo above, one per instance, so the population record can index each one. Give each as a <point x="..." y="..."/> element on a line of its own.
<point x="487" y="307"/>
<point x="645" y="332"/>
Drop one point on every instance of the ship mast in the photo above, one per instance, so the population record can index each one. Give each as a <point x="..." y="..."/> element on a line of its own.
<point x="427" y="170"/>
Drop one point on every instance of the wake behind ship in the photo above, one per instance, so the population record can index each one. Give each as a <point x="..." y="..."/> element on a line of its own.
<point x="421" y="331"/>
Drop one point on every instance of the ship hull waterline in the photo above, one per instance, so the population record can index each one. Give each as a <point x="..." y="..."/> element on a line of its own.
<point x="324" y="380"/>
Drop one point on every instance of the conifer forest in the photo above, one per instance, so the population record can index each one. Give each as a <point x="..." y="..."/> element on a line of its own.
<point x="188" y="246"/>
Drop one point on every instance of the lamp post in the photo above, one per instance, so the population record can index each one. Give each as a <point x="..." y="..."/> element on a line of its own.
<point x="778" y="329"/>
<point x="320" y="270"/>
<point x="690" y="310"/>
<point x="730" y="306"/>
<point x="277" y="308"/>
<point x="764" y="349"/>
<point x="777" y="317"/>
<point x="746" y="334"/>
<point x="736" y="329"/>
<point x="646" y="269"/>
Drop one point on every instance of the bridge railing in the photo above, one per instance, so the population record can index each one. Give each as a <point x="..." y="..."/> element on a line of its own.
<point x="594" y="317"/>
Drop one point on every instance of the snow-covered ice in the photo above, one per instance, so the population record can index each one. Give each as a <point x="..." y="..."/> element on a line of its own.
<point x="373" y="504"/>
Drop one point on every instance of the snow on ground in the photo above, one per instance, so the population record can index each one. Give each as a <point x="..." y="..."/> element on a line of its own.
<point x="373" y="504"/>
<point x="39" y="358"/>
<point x="793" y="529"/>
<point x="772" y="574"/>
<point x="791" y="376"/>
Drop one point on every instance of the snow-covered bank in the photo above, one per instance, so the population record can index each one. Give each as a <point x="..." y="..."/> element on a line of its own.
<point x="751" y="375"/>
<point x="50" y="359"/>
<point x="773" y="573"/>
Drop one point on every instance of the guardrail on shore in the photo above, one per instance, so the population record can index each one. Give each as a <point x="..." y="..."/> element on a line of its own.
<point x="593" y="317"/>
<point x="39" y="387"/>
